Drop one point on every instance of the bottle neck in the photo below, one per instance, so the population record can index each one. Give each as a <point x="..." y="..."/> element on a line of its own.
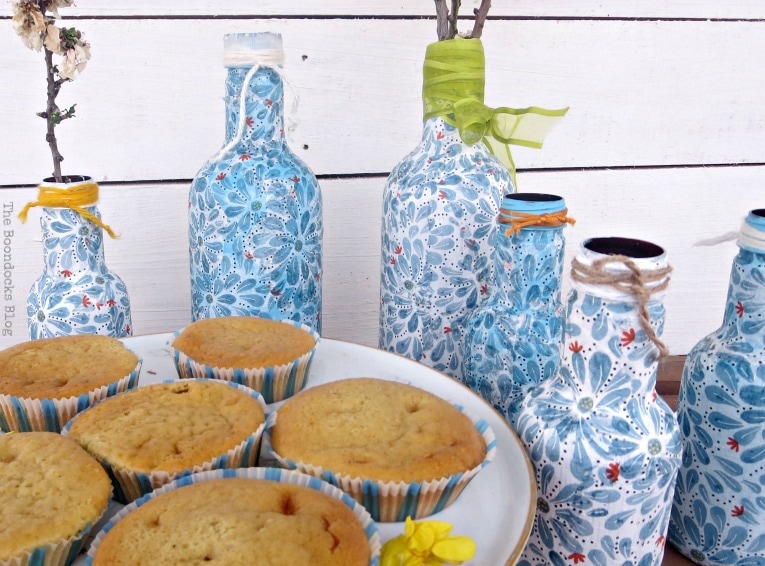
<point x="263" y="106"/>
<point x="72" y="244"/>
<point x="453" y="70"/>
<point x="528" y="268"/>
<point x="746" y="291"/>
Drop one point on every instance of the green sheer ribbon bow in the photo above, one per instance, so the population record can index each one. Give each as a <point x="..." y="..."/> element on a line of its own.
<point x="453" y="88"/>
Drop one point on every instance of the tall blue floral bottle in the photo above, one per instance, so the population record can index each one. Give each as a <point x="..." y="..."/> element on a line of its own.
<point x="77" y="293"/>
<point x="513" y="341"/>
<point x="255" y="209"/>
<point x="718" y="514"/>
<point x="605" y="447"/>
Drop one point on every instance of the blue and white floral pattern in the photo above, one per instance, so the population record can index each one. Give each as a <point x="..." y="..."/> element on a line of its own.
<point x="438" y="231"/>
<point x="718" y="516"/>
<point x="605" y="448"/>
<point x="255" y="217"/>
<point x="513" y="341"/>
<point x="77" y="293"/>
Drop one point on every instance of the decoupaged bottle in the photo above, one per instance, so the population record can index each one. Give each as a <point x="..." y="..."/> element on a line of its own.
<point x="77" y="293"/>
<point x="255" y="209"/>
<point x="605" y="447"/>
<point x="718" y="514"/>
<point x="513" y="341"/>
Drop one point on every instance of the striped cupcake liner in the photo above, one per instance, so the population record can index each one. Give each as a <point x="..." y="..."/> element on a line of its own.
<point x="59" y="553"/>
<point x="21" y="414"/>
<point x="275" y="383"/>
<point x="270" y="474"/>
<point x="392" y="502"/>
<point x="129" y="484"/>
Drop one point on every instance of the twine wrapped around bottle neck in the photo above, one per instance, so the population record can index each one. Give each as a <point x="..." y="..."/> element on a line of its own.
<point x="74" y="198"/>
<point x="635" y="281"/>
<point x="520" y="220"/>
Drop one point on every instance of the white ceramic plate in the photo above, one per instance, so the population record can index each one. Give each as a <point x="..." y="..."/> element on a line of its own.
<point x="497" y="507"/>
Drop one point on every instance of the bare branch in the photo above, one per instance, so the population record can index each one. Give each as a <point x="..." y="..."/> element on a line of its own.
<point x="453" y="19"/>
<point x="480" y="17"/>
<point x="442" y="20"/>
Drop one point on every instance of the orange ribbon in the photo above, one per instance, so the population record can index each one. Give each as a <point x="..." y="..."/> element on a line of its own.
<point x="520" y="220"/>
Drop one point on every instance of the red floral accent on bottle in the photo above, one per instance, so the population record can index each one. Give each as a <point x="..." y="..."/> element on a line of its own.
<point x="66" y="273"/>
<point x="612" y="473"/>
<point x="392" y="261"/>
<point x="111" y="302"/>
<point x="244" y="157"/>
<point x="269" y="102"/>
<point x="484" y="288"/>
<point x="440" y="135"/>
<point x="661" y="540"/>
<point x="575" y="347"/>
<point x="628" y="337"/>
<point x="447" y="329"/>
<point x="740" y="309"/>
<point x="398" y="250"/>
<point x="220" y="176"/>
<point x="733" y="443"/>
<point x="295" y="179"/>
<point x="276" y="292"/>
<point x="249" y="121"/>
<point x="737" y="511"/>
<point x="441" y="195"/>
<point x="85" y="301"/>
<point x="577" y="557"/>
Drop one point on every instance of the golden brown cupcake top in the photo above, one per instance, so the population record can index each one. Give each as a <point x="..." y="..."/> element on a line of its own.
<point x="65" y="366"/>
<point x="168" y="427"/>
<point x="235" y="521"/>
<point x="243" y="342"/>
<point x="50" y="489"/>
<point x="377" y="429"/>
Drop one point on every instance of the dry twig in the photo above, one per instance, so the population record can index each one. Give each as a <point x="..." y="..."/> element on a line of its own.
<point x="480" y="17"/>
<point x="442" y="20"/>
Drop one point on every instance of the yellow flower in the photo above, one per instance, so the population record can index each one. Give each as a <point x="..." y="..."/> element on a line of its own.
<point x="427" y="543"/>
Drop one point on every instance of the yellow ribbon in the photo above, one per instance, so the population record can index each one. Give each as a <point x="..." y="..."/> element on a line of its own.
<point x="74" y="198"/>
<point x="453" y="88"/>
<point x="520" y="220"/>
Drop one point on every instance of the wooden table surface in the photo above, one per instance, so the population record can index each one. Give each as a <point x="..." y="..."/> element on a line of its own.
<point x="668" y="385"/>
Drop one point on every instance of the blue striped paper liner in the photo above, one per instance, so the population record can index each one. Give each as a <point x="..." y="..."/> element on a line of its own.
<point x="22" y="414"/>
<point x="129" y="485"/>
<point x="275" y="383"/>
<point x="393" y="502"/>
<point x="270" y="474"/>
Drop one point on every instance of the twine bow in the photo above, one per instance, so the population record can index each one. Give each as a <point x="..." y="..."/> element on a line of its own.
<point x="634" y="281"/>
<point x="74" y="198"/>
<point x="520" y="220"/>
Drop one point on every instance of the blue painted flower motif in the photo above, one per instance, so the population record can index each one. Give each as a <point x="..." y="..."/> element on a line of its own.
<point x="513" y="341"/>
<point x="255" y="216"/>
<point x="718" y="514"/>
<point x="77" y="293"/>
<point x="605" y="448"/>
<point x="439" y="211"/>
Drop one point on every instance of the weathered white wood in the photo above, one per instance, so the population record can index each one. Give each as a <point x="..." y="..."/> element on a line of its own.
<point x="150" y="108"/>
<point x="672" y="207"/>
<point x="500" y="8"/>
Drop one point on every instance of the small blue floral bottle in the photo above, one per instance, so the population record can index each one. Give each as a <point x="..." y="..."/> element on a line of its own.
<point x="513" y="341"/>
<point x="718" y="514"/>
<point x="605" y="447"/>
<point x="255" y="209"/>
<point x="77" y="293"/>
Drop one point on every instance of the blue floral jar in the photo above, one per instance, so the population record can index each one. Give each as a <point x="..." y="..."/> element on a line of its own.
<point x="77" y="293"/>
<point x="718" y="514"/>
<point x="255" y="209"/>
<point x="438" y="229"/>
<point x="605" y="447"/>
<point x="513" y="341"/>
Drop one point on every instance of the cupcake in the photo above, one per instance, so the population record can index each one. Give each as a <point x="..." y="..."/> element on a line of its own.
<point x="147" y="437"/>
<point x="46" y="382"/>
<point x="267" y="515"/>
<point x="398" y="450"/>
<point x="51" y="493"/>
<point x="269" y="356"/>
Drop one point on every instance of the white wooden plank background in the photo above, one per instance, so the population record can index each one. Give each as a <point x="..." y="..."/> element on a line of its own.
<point x="664" y="139"/>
